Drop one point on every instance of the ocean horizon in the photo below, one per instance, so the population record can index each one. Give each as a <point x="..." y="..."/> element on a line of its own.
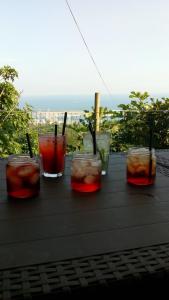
<point x="74" y="102"/>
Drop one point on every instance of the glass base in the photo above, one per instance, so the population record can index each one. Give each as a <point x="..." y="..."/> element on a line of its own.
<point x="144" y="181"/>
<point x="23" y="194"/>
<point x="104" y="172"/>
<point x="50" y="175"/>
<point x="85" y="188"/>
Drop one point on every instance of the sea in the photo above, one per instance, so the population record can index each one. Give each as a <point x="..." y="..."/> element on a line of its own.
<point x="72" y="102"/>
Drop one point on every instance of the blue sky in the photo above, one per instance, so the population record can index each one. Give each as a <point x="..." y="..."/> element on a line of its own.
<point x="129" y="40"/>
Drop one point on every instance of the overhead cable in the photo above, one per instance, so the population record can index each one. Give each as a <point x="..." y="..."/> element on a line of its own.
<point x="87" y="47"/>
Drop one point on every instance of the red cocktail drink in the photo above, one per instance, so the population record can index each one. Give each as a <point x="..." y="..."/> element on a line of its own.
<point x="23" y="176"/>
<point x="86" y="173"/>
<point x="52" y="151"/>
<point x="141" y="166"/>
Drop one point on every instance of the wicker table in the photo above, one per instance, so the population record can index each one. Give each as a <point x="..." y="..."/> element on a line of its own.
<point x="63" y="242"/>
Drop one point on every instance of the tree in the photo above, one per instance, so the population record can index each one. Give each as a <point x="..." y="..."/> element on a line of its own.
<point x="14" y="122"/>
<point x="134" y="122"/>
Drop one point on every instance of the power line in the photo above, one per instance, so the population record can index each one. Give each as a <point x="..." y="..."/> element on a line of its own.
<point x="88" y="50"/>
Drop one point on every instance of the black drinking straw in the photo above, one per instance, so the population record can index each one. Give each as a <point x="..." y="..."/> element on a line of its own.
<point x="150" y="144"/>
<point x="29" y="145"/>
<point x="54" y="156"/>
<point x="90" y="128"/>
<point x="56" y="130"/>
<point x="93" y="134"/>
<point x="64" y="123"/>
<point x="94" y="142"/>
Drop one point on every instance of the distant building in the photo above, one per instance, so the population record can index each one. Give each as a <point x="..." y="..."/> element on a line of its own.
<point x="42" y="117"/>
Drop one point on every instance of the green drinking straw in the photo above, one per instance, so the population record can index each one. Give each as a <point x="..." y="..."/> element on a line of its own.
<point x="29" y="145"/>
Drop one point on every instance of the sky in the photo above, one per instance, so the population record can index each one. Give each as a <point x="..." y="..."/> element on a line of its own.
<point x="129" y="41"/>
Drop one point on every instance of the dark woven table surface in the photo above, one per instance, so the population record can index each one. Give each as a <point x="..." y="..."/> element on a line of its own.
<point x="63" y="243"/>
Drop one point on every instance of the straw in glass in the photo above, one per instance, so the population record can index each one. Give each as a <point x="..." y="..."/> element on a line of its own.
<point x="29" y="145"/>
<point x="54" y="157"/>
<point x="150" y="144"/>
<point x="64" y="123"/>
<point x="56" y="130"/>
<point x="93" y="134"/>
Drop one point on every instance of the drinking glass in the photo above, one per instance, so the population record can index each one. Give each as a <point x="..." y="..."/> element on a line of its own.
<point x="22" y="176"/>
<point x="86" y="173"/>
<point x="141" y="166"/>
<point x="52" y="151"/>
<point x="103" y="147"/>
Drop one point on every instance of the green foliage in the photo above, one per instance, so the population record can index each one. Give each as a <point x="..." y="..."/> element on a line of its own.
<point x="14" y="122"/>
<point x="130" y="126"/>
<point x="134" y="121"/>
<point x="75" y="134"/>
<point x="7" y="73"/>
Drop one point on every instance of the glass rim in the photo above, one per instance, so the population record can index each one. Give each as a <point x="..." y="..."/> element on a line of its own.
<point x="140" y="151"/>
<point x="51" y="134"/>
<point x="86" y="156"/>
<point x="21" y="158"/>
<point x="99" y="133"/>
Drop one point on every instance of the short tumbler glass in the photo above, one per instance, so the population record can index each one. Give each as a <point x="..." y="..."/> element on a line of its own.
<point x="52" y="152"/>
<point x="22" y="176"/>
<point x="103" y="147"/>
<point x="141" y="166"/>
<point x="86" y="173"/>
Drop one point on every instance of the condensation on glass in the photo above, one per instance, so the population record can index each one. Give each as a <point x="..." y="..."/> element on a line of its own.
<point x="22" y="176"/>
<point x="86" y="172"/>
<point x="141" y="166"/>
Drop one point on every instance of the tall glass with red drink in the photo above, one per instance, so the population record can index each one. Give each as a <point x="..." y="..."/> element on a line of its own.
<point x="22" y="176"/>
<point x="141" y="166"/>
<point x="86" y="173"/>
<point x="52" y="151"/>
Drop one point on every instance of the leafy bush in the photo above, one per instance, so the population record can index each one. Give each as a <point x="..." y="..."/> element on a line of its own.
<point x="14" y="122"/>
